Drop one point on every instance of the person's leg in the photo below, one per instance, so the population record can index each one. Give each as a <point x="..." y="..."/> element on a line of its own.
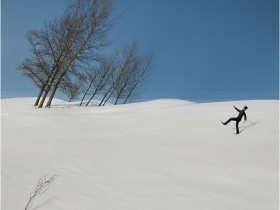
<point x="237" y="129"/>
<point x="230" y="119"/>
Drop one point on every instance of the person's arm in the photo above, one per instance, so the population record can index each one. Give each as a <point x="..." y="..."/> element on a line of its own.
<point x="237" y="109"/>
<point x="245" y="117"/>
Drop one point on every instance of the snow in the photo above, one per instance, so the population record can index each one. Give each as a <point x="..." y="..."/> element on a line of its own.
<point x="156" y="155"/>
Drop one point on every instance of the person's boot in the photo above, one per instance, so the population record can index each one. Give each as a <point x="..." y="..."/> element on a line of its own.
<point x="237" y="131"/>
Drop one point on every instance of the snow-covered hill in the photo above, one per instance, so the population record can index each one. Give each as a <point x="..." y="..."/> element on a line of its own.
<point x="157" y="155"/>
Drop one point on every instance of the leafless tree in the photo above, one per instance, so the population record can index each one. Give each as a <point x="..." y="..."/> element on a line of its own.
<point x="98" y="79"/>
<point x="131" y="68"/>
<point x="71" y="88"/>
<point x="90" y="78"/>
<point x="123" y="85"/>
<point x="39" y="66"/>
<point x="122" y="63"/>
<point x="139" y="76"/>
<point x="41" y="188"/>
<point x="69" y="42"/>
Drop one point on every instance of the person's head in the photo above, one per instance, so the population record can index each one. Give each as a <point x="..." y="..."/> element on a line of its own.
<point x="245" y="107"/>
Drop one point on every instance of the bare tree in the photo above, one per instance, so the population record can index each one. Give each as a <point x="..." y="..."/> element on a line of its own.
<point x="131" y="68"/>
<point x="105" y="72"/>
<point x="69" y="42"/>
<point x="41" y="188"/>
<point x="89" y="22"/>
<point x="130" y="72"/>
<point x="90" y="78"/>
<point x="139" y="76"/>
<point x="69" y="47"/>
<point x="40" y="65"/>
<point x="122" y="63"/>
<point x="71" y="88"/>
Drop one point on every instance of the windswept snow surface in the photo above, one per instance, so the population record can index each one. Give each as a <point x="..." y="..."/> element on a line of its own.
<point x="157" y="155"/>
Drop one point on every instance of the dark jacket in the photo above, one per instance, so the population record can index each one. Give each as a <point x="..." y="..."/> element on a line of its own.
<point x="241" y="114"/>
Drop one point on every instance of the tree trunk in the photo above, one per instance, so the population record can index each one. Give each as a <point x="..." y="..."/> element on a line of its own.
<point x="53" y="93"/>
<point x="92" y="96"/>
<point x="44" y="97"/>
<point x="85" y="94"/>
<point x="118" y="97"/>
<point x="130" y="92"/>
<point x="103" y="98"/>
<point x="47" y="90"/>
<point x="127" y="98"/>
<point x="109" y="97"/>
<point x="39" y="95"/>
<point x="97" y="89"/>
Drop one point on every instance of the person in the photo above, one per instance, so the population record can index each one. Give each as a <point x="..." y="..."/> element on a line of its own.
<point x="238" y="118"/>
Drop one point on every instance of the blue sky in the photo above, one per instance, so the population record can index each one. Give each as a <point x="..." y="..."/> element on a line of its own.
<point x="205" y="50"/>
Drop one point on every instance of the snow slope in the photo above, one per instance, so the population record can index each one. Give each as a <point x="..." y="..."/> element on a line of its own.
<point x="157" y="155"/>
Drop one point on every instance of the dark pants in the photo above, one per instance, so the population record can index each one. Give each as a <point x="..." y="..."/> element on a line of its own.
<point x="237" y="122"/>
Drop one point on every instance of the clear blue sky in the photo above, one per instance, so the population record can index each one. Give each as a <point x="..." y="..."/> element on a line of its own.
<point x="206" y="50"/>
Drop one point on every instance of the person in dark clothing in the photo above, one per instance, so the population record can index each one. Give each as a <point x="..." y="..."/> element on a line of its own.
<point x="238" y="118"/>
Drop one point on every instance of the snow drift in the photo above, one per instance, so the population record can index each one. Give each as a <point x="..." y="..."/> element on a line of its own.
<point x="163" y="154"/>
